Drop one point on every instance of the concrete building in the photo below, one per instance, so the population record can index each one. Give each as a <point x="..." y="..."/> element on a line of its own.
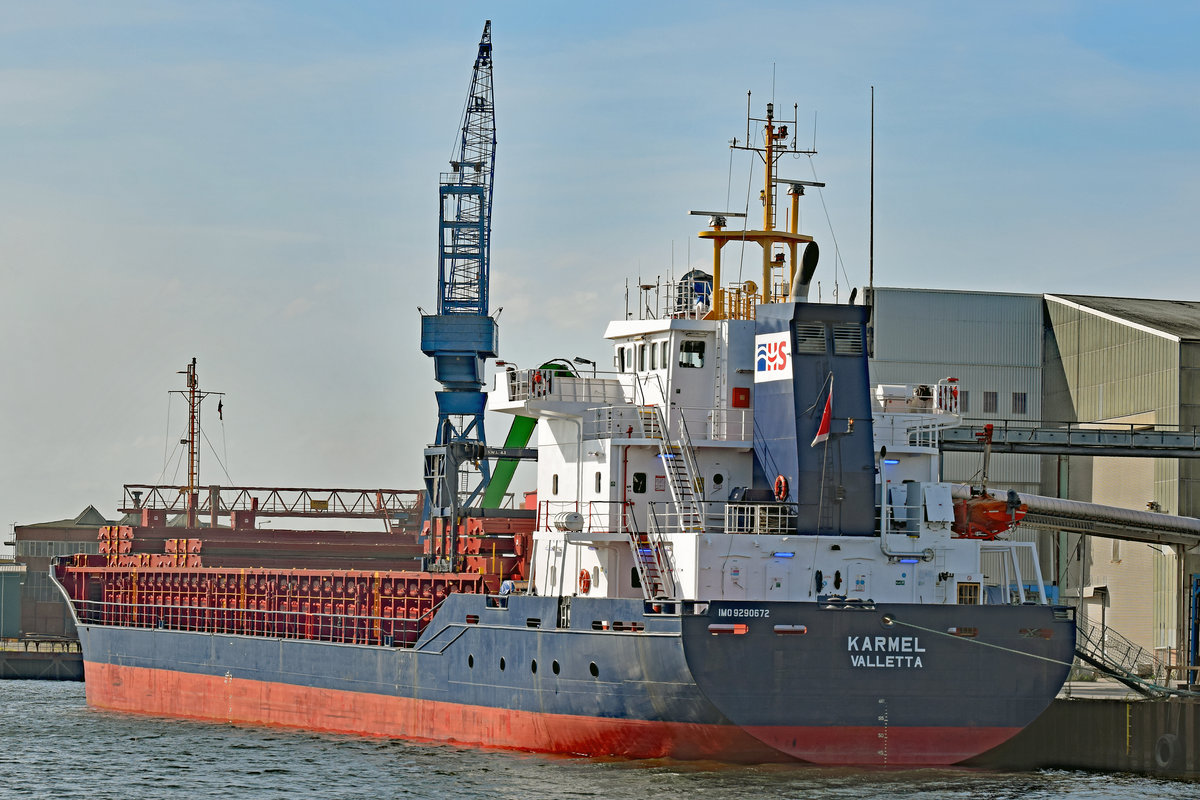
<point x="1037" y="359"/>
<point x="44" y="613"/>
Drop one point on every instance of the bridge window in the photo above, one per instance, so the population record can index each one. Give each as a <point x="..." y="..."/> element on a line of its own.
<point x="620" y="359"/>
<point x="653" y="355"/>
<point x="964" y="402"/>
<point x="597" y="483"/>
<point x="1018" y="403"/>
<point x="554" y="484"/>
<point x="665" y="348"/>
<point x="642" y="357"/>
<point x="691" y="354"/>
<point x="990" y="402"/>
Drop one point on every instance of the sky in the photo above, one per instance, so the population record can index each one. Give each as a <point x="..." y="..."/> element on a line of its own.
<point x="254" y="184"/>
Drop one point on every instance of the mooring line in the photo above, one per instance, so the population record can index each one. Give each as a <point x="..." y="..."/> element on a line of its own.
<point x="1148" y="684"/>
<point x="895" y="621"/>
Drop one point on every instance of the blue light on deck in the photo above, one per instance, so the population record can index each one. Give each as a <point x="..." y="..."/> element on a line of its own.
<point x="909" y="560"/>
<point x="891" y="461"/>
<point x="784" y="555"/>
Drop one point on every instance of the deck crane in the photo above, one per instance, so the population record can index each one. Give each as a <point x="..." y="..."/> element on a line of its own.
<point x="462" y="335"/>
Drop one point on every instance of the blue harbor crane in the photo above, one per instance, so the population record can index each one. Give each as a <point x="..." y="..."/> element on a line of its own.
<point x="462" y="335"/>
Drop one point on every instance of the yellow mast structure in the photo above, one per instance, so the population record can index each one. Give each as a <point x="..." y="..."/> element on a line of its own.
<point x="737" y="302"/>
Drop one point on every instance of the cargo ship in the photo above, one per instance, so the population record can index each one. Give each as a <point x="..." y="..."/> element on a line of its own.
<point x="737" y="550"/>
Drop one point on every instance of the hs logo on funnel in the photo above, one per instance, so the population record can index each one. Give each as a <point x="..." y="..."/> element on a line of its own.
<point x="772" y="357"/>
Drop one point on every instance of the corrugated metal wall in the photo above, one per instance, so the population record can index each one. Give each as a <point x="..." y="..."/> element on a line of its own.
<point x="1109" y="369"/>
<point x="990" y="342"/>
<point x="1102" y="369"/>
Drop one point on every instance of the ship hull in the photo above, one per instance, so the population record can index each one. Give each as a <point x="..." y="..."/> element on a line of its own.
<point x="517" y="679"/>
<point x="892" y="684"/>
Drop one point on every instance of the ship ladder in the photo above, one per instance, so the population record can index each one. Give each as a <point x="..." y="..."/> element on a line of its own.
<point x="645" y="556"/>
<point x="1115" y="656"/>
<point x="679" y="465"/>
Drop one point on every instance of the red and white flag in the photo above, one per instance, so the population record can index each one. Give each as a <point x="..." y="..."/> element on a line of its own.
<point x="823" y="429"/>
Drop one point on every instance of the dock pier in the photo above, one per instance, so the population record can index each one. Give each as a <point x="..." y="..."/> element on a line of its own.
<point x="40" y="660"/>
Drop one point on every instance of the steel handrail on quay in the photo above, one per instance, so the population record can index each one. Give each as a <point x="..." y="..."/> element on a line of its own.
<point x="38" y="646"/>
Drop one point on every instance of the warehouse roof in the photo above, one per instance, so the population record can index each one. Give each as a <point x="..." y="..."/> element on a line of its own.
<point x="1179" y="318"/>
<point x="88" y="518"/>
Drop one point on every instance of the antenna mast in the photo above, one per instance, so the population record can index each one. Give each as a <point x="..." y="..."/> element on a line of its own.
<point x="194" y="398"/>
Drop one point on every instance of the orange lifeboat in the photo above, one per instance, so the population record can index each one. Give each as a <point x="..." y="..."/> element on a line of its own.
<point x="982" y="516"/>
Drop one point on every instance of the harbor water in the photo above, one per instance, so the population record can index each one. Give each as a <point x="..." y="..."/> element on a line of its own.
<point x="53" y="745"/>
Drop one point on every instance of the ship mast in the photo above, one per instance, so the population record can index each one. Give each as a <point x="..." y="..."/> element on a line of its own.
<point x="737" y="302"/>
<point x="194" y="398"/>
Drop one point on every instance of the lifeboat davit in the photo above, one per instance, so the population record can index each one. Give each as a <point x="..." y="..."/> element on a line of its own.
<point x="982" y="516"/>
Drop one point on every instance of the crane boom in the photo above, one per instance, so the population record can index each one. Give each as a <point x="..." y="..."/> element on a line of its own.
<point x="466" y="193"/>
<point x="462" y="335"/>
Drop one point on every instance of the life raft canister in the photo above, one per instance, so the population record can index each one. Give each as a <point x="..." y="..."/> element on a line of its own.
<point x="585" y="581"/>
<point x="781" y="488"/>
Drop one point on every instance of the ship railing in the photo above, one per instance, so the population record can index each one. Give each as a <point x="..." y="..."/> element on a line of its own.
<point x="695" y="298"/>
<point x="718" y="424"/>
<point x="343" y="628"/>
<point x="683" y="299"/>
<point x="596" y="516"/>
<point x="704" y="423"/>
<point x="552" y="384"/>
<point x="767" y="518"/>
<point x="734" y="517"/>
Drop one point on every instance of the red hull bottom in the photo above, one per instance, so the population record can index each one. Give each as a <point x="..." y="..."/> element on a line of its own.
<point x="875" y="746"/>
<point x="224" y="699"/>
<point x="208" y="697"/>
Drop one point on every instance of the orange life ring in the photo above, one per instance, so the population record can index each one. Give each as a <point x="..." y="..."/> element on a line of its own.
<point x="585" y="581"/>
<point x="781" y="488"/>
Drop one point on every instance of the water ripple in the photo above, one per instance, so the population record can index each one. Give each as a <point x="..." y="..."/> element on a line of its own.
<point x="53" y="745"/>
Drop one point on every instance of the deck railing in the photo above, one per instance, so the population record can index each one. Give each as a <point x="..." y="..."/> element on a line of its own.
<point x="345" y="627"/>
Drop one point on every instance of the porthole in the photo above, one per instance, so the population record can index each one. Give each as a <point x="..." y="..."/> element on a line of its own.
<point x="470" y="661"/>
<point x="501" y="662"/>
<point x="554" y="666"/>
<point x="594" y="670"/>
<point x="533" y="666"/>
